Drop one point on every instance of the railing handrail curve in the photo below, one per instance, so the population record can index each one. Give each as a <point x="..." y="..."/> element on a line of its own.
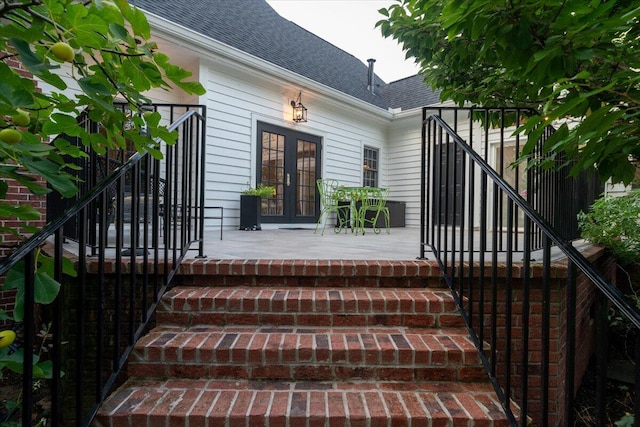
<point x="611" y="292"/>
<point x="49" y="229"/>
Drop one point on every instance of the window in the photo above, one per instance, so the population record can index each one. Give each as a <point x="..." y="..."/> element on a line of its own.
<point x="370" y="167"/>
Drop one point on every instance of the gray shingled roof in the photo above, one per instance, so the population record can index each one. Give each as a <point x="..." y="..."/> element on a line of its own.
<point x="256" y="28"/>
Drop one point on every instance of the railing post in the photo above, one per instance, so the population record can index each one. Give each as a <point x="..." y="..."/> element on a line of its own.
<point x="29" y="339"/>
<point x="602" y="343"/>
<point x="423" y="177"/>
<point x="202" y="132"/>
<point x="571" y="344"/>
<point x="56" y="331"/>
<point x="636" y="400"/>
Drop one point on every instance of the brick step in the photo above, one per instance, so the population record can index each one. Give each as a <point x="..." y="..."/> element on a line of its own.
<point x="184" y="306"/>
<point x="310" y="273"/>
<point x="307" y="353"/>
<point x="306" y="404"/>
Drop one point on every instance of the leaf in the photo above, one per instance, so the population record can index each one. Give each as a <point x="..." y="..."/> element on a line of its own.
<point x="18" y="307"/>
<point x="69" y="268"/>
<point x="89" y="29"/>
<point x="45" y="288"/>
<point x="23" y="212"/>
<point x="15" y="356"/>
<point x="29" y="59"/>
<point x="43" y="369"/>
<point x="15" y="277"/>
<point x="67" y="148"/>
<point x="119" y="31"/>
<point x="138" y="22"/>
<point x="36" y="65"/>
<point x="14" y="90"/>
<point x="52" y="173"/>
<point x="177" y="74"/>
<point x="97" y="92"/>
<point x="61" y="124"/>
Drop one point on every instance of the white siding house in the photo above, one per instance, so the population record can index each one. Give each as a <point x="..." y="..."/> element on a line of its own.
<point x="250" y="89"/>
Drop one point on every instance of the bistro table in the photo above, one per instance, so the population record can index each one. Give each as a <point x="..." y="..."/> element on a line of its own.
<point x="359" y="199"/>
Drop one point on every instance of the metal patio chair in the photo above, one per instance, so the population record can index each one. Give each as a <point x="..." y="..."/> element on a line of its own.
<point x="330" y="198"/>
<point x="374" y="205"/>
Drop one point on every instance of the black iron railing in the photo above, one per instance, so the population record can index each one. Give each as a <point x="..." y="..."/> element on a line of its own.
<point x="127" y="233"/>
<point x="519" y="283"/>
<point x="490" y="133"/>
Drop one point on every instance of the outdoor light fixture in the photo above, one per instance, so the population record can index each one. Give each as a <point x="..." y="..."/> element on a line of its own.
<point x="299" y="110"/>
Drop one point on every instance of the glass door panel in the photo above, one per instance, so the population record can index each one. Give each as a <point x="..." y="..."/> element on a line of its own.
<point x="290" y="162"/>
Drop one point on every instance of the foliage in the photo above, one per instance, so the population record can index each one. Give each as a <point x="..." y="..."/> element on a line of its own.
<point x="89" y="53"/>
<point x="574" y="62"/>
<point x="111" y="56"/>
<point x="264" y="191"/>
<point x="626" y="421"/>
<point x="614" y="222"/>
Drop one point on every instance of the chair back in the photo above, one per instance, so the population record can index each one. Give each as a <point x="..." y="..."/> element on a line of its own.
<point x="381" y="195"/>
<point x="329" y="190"/>
<point x="374" y="198"/>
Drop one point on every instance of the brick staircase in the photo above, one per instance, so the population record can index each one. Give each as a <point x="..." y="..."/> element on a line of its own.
<point x="310" y="344"/>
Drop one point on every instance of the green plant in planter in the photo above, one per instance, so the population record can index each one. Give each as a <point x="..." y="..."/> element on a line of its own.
<point x="264" y="191"/>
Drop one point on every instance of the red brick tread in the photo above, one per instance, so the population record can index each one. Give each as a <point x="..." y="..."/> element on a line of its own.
<point x="269" y="353"/>
<point x="305" y="404"/>
<point x="306" y="353"/>
<point x="309" y="306"/>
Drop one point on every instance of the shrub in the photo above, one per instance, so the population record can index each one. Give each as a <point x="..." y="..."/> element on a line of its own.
<point x="614" y="222"/>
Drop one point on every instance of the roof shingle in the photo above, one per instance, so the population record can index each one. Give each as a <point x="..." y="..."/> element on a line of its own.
<point x="256" y="28"/>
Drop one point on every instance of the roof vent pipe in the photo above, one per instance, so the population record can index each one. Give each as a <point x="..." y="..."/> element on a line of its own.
<point x="370" y="78"/>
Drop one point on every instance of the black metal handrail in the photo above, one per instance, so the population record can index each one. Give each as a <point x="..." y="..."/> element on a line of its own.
<point x="99" y="315"/>
<point x="477" y="250"/>
<point x="489" y="132"/>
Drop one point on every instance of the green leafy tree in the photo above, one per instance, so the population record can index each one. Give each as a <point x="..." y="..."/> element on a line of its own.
<point x="575" y="62"/>
<point x="105" y="47"/>
<point x="102" y="46"/>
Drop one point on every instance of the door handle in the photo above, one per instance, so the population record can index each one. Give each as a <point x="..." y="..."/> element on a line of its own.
<point x="288" y="180"/>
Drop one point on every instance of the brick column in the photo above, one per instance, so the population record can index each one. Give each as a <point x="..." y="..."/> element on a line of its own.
<point x="586" y="295"/>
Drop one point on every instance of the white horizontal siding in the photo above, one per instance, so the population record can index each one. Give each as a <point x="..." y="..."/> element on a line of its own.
<point x="237" y="101"/>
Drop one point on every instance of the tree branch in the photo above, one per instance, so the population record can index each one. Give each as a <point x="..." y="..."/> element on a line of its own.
<point x="8" y="7"/>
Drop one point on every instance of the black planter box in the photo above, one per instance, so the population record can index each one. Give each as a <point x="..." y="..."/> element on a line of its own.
<point x="396" y="215"/>
<point x="250" y="212"/>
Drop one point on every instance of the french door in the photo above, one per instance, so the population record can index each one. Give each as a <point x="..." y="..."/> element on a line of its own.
<point x="289" y="161"/>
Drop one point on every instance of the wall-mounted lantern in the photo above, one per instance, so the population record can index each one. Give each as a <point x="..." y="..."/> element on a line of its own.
<point x="299" y="110"/>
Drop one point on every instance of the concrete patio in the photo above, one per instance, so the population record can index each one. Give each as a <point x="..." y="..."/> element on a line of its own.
<point x="303" y="243"/>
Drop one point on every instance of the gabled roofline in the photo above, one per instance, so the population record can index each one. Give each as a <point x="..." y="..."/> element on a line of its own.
<point x="206" y="46"/>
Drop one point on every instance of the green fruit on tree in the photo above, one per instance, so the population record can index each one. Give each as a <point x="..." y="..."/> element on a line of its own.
<point x="63" y="51"/>
<point x="7" y="338"/>
<point x="21" y="118"/>
<point x="10" y="136"/>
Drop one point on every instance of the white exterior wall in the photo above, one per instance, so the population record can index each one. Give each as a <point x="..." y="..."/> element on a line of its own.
<point x="237" y="99"/>
<point x="403" y="164"/>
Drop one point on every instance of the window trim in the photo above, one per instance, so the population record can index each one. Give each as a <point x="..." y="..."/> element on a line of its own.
<point x="375" y="171"/>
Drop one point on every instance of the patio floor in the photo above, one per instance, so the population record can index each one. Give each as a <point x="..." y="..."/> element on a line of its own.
<point x="302" y="243"/>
